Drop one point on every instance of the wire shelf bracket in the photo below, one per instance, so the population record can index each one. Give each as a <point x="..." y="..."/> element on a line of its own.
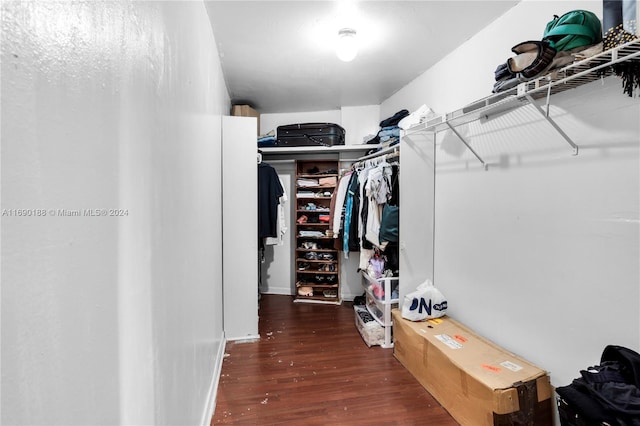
<point x="453" y="129"/>
<point x="545" y="115"/>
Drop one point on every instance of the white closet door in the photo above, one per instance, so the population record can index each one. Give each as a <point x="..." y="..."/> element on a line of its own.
<point x="417" y="195"/>
<point x="240" y="227"/>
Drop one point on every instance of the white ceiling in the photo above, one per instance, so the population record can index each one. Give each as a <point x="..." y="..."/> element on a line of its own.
<point x="279" y="56"/>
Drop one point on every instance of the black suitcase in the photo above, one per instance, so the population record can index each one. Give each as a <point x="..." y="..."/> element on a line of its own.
<point x="309" y="134"/>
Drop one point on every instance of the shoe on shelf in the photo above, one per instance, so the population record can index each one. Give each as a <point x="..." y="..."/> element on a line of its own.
<point x="330" y="293"/>
<point x="303" y="266"/>
<point x="312" y="255"/>
<point x="302" y="219"/>
<point x="305" y="291"/>
<point x="327" y="267"/>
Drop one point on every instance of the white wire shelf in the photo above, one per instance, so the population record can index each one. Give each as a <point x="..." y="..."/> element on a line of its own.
<point x="569" y="77"/>
<point x="574" y="75"/>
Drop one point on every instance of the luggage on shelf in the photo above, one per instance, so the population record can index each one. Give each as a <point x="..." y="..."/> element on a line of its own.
<point x="310" y="134"/>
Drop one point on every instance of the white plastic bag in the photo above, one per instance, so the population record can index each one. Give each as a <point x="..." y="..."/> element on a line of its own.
<point x="424" y="303"/>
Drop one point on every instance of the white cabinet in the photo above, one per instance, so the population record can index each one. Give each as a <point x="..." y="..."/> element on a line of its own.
<point x="240" y="228"/>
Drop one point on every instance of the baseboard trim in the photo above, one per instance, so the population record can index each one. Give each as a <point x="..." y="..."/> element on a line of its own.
<point x="244" y="339"/>
<point x="349" y="297"/>
<point x="287" y="292"/>
<point x="212" y="395"/>
<point x="278" y="290"/>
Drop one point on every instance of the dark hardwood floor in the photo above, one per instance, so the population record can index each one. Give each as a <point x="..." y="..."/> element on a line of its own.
<point x="311" y="367"/>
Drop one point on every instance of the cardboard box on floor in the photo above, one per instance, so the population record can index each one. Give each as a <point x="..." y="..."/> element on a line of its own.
<point x="246" y="111"/>
<point x="475" y="380"/>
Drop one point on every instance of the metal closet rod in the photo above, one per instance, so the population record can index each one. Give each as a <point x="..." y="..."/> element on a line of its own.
<point x="390" y="152"/>
<point x="381" y="156"/>
<point x="279" y="161"/>
<point x="385" y="151"/>
<point x="291" y="160"/>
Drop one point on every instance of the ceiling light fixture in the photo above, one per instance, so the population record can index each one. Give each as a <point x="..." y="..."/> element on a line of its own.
<point x="347" y="48"/>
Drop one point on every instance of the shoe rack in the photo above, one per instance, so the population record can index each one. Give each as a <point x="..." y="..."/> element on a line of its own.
<point x="317" y="262"/>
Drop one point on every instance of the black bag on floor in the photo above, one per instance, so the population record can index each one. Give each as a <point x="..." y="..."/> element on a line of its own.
<point x="608" y="393"/>
<point x="628" y="360"/>
<point x="310" y="134"/>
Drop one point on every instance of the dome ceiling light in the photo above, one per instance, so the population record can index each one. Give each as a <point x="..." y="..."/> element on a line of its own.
<point x="347" y="48"/>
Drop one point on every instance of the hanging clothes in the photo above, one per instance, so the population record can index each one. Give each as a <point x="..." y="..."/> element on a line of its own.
<point x="337" y="208"/>
<point x="350" y="229"/>
<point x="357" y="208"/>
<point x="269" y="192"/>
<point x="366" y="248"/>
<point x="389" y="219"/>
<point x="379" y="183"/>
<point x="377" y="191"/>
<point x="281" y="222"/>
<point x="394" y="199"/>
<point x="363" y="212"/>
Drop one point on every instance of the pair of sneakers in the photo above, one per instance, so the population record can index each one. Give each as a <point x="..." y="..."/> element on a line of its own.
<point x="330" y="293"/>
<point x="303" y="266"/>
<point x="309" y="245"/>
<point x="309" y="206"/>
<point x="305" y="219"/>
<point x="327" y="267"/>
<point x="325" y="279"/>
<point x="312" y="255"/>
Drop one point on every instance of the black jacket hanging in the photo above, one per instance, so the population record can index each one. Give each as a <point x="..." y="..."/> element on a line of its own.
<point x="269" y="192"/>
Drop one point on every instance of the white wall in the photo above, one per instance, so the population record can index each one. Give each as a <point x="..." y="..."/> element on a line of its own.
<point x="361" y="123"/>
<point x="110" y="320"/>
<point x="541" y="252"/>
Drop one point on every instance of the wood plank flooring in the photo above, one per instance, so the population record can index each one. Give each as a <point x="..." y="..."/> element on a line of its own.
<point x="311" y="367"/>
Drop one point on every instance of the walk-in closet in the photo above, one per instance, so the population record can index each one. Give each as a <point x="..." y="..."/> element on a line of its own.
<point x="330" y="212"/>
